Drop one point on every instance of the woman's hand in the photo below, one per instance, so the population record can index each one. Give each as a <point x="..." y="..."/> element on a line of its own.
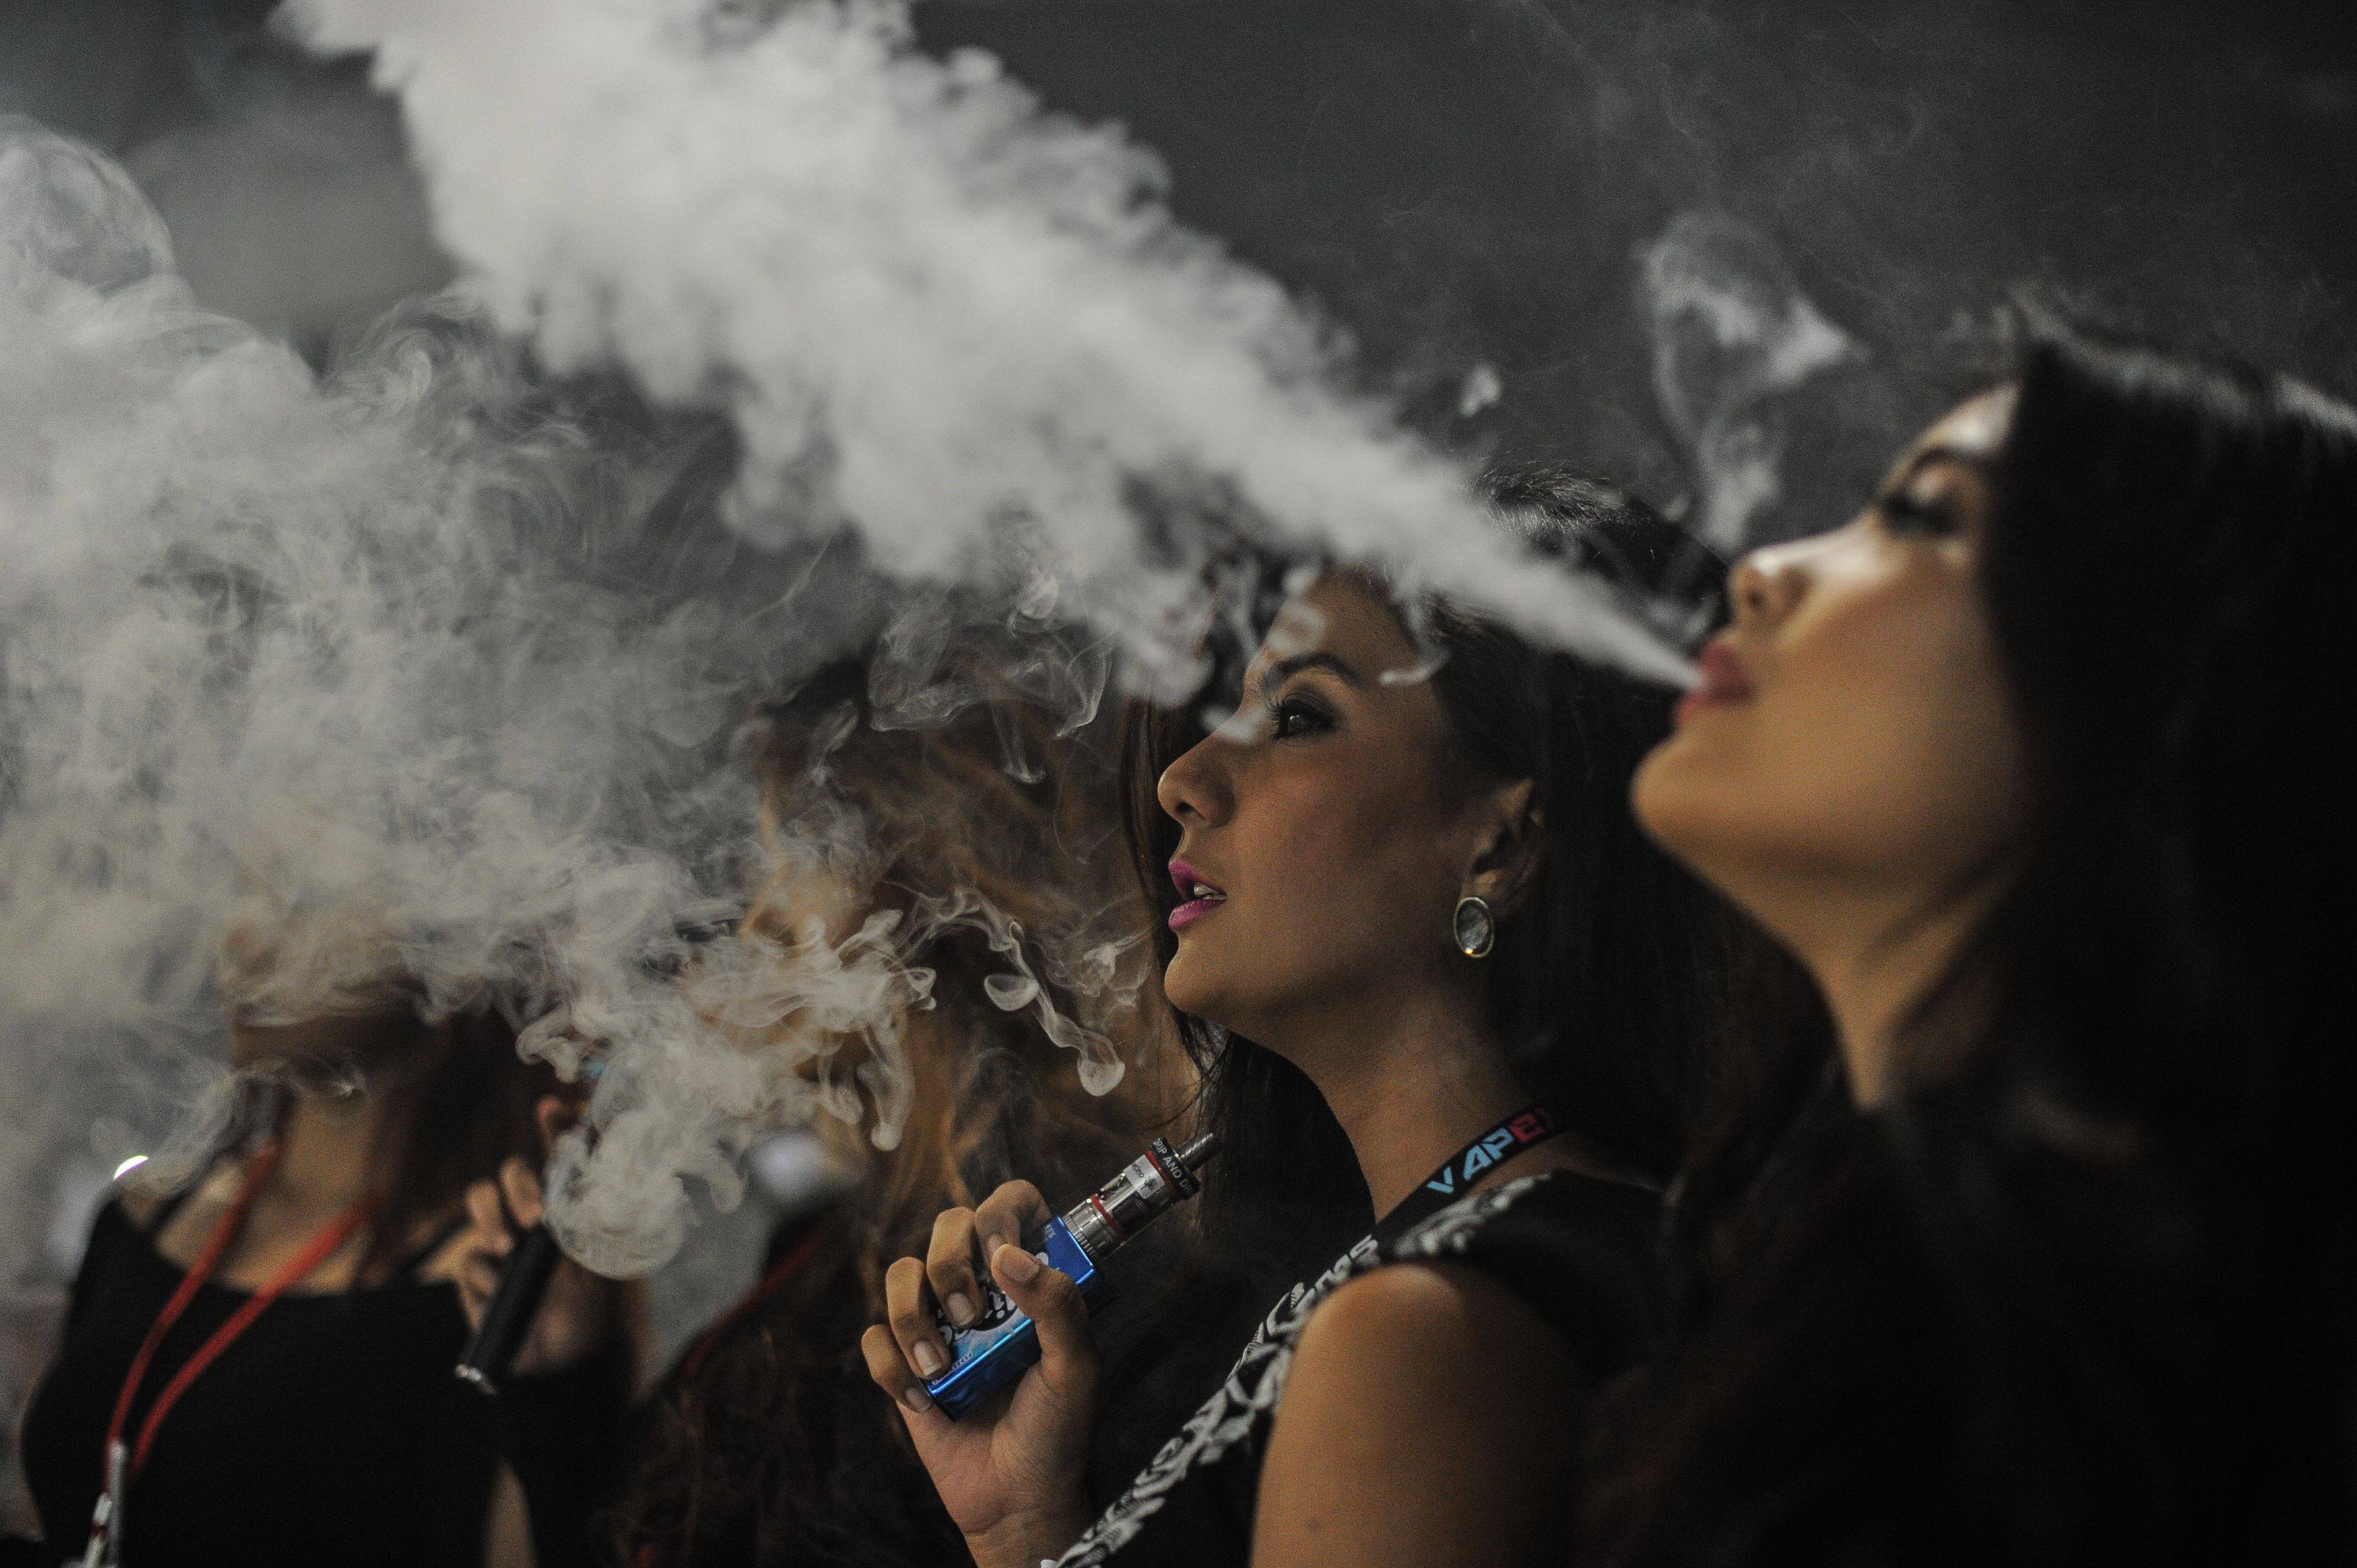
<point x="581" y="1309"/>
<point x="1010" y="1471"/>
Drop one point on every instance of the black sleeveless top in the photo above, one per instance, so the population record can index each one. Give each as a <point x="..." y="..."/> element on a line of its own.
<point x="332" y="1431"/>
<point x="1577" y="1252"/>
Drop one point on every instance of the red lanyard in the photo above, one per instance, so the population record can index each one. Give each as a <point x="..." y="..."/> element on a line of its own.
<point x="120" y="1467"/>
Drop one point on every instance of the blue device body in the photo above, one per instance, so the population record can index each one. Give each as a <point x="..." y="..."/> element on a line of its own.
<point x="1003" y="1343"/>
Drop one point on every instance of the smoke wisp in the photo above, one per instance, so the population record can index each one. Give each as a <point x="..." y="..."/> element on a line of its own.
<point x="401" y="672"/>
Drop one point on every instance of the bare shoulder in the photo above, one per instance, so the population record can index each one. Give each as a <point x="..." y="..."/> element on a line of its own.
<point x="1429" y="1414"/>
<point x="1423" y="1337"/>
<point x="1455" y="1313"/>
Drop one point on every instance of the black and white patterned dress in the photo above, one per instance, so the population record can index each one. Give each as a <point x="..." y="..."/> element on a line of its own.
<point x="1577" y="1251"/>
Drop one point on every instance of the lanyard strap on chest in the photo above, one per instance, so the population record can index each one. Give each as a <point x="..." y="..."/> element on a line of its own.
<point x="121" y="1463"/>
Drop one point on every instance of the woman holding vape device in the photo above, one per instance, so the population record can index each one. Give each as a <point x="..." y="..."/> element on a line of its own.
<point x="764" y="1443"/>
<point x="1417" y="942"/>
<point x="2042" y="768"/>
<point x="256" y="1367"/>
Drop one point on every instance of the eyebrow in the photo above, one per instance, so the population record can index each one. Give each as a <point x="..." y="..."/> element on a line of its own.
<point x="1316" y="659"/>
<point x="1979" y="462"/>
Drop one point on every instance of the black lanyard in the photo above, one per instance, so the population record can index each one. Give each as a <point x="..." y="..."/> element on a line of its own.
<point x="1526" y="1129"/>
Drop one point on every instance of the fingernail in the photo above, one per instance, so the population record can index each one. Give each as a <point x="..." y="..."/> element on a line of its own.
<point x="1015" y="1263"/>
<point x="928" y="1360"/>
<point x="916" y="1399"/>
<point x="960" y="1310"/>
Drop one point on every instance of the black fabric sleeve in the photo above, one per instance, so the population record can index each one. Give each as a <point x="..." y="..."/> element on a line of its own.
<point x="564" y="1435"/>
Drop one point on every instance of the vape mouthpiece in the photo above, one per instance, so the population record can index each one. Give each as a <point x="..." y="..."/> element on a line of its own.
<point x="1151" y="1182"/>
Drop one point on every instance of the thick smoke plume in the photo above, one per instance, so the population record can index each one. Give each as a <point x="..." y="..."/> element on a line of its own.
<point x="938" y="316"/>
<point x="412" y="670"/>
<point x="408" y="673"/>
<point x="310" y="687"/>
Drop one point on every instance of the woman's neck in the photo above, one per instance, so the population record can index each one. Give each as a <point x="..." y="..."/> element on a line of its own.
<point x="1876" y="961"/>
<point x="1410" y="1089"/>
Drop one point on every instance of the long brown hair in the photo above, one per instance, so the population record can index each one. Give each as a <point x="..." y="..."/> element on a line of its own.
<point x="770" y="1444"/>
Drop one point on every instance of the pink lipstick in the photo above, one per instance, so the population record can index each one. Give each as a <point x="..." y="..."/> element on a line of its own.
<point x="1199" y="896"/>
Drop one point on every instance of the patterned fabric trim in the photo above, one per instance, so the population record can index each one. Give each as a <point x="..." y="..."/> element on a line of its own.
<point x="1241" y="1404"/>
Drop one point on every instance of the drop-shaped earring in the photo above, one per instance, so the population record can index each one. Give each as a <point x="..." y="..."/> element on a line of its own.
<point x="1476" y="925"/>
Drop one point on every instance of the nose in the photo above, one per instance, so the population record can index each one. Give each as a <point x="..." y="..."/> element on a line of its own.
<point x="1197" y="789"/>
<point x="1768" y="584"/>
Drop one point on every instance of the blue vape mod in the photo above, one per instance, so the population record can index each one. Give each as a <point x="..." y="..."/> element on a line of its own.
<point x="1002" y="1343"/>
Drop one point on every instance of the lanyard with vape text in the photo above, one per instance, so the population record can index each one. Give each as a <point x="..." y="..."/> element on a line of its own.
<point x="1526" y="1129"/>
<point x="123" y="1462"/>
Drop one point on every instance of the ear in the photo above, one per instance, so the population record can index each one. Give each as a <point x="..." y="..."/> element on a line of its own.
<point x="1506" y="856"/>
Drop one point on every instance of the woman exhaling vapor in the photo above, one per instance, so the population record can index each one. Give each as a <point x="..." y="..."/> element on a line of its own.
<point x="2026" y="1235"/>
<point x="1420" y="949"/>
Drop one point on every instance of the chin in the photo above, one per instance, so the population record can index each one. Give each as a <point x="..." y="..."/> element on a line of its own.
<point x="1723" y="829"/>
<point x="1659" y="793"/>
<point x="1684" y="804"/>
<point x="1194" y="985"/>
<point x="1181" y="987"/>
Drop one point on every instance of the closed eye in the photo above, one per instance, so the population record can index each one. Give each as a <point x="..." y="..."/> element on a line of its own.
<point x="1904" y="514"/>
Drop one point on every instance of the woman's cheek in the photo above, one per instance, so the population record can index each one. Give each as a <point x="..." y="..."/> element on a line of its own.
<point x="1889" y="757"/>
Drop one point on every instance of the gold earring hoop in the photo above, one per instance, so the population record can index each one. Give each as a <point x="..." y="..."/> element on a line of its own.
<point x="1476" y="927"/>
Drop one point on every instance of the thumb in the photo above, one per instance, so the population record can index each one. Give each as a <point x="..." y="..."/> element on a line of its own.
<point x="1068" y="1358"/>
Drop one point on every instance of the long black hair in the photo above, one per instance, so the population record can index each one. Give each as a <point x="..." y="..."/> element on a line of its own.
<point x="2086" y="1288"/>
<point x="1605" y="981"/>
